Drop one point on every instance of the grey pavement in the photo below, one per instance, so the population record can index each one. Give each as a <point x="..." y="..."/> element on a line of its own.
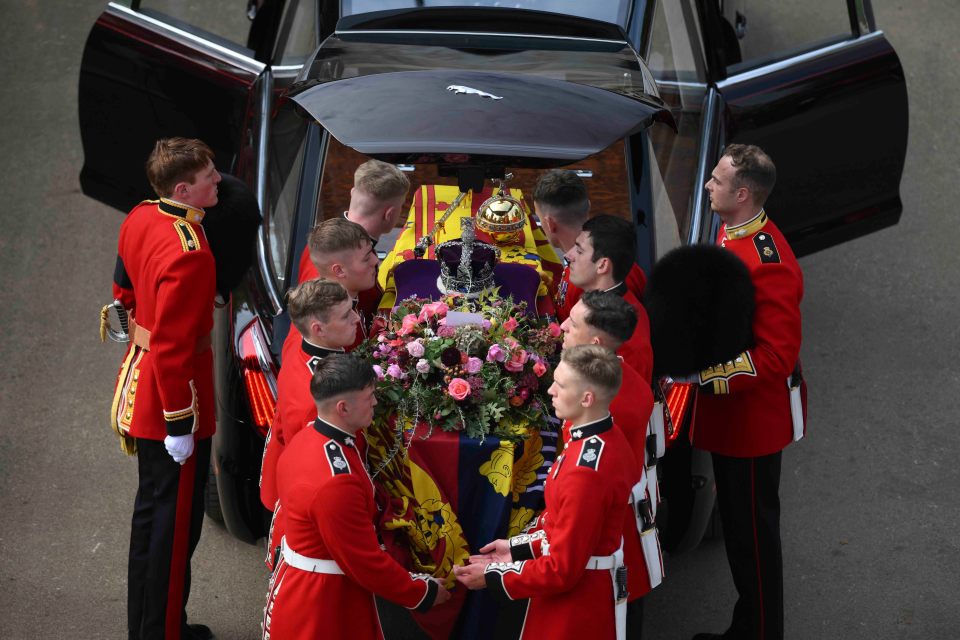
<point x="869" y="499"/>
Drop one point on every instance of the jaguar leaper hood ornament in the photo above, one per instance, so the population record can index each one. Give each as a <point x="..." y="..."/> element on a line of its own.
<point x="458" y="89"/>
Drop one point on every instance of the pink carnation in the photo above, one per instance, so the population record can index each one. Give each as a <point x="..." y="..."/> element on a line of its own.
<point x="446" y="332"/>
<point x="458" y="389"/>
<point x="511" y="324"/>
<point x="539" y="368"/>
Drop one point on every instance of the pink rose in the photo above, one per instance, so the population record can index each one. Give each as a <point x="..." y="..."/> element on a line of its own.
<point x="394" y="371"/>
<point x="554" y="329"/>
<point x="474" y="365"/>
<point x="432" y="309"/>
<point x="423" y="366"/>
<point x="409" y="324"/>
<point x="496" y="353"/>
<point x="377" y="369"/>
<point x="513" y="344"/>
<point x="539" y="369"/>
<point x="516" y="361"/>
<point x="458" y="389"/>
<point x="511" y="324"/>
<point x="415" y="349"/>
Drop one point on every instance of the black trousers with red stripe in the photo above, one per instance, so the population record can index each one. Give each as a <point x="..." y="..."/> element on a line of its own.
<point x="167" y="520"/>
<point x="748" y="494"/>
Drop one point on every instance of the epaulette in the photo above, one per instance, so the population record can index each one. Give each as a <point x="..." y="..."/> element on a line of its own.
<point x="189" y="240"/>
<point x="766" y="248"/>
<point x="336" y="458"/>
<point x="591" y="452"/>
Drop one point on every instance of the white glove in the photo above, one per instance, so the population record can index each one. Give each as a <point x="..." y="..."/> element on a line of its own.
<point x="179" y="447"/>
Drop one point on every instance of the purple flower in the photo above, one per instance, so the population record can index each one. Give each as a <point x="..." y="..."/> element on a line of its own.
<point x="377" y="369"/>
<point x="496" y="353"/>
<point x="485" y="323"/>
<point x="423" y="366"/>
<point x="415" y="348"/>
<point x="394" y="371"/>
<point x="474" y="365"/>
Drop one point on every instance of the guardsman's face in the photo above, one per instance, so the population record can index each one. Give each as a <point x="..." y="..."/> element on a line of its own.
<point x="361" y="404"/>
<point x="720" y="187"/>
<point x="360" y="268"/>
<point x="583" y="270"/>
<point x="575" y="329"/>
<point x="396" y="213"/>
<point x="566" y="392"/>
<point x="202" y="192"/>
<point x="340" y="329"/>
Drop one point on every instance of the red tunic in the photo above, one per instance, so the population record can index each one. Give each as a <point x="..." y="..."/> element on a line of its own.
<point x="330" y="512"/>
<point x="295" y="408"/>
<point x="743" y="408"/>
<point x="585" y="493"/>
<point x="166" y="279"/>
<point x="637" y="351"/>
<point x="567" y="293"/>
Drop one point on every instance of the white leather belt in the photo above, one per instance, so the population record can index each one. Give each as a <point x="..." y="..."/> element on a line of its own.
<point x="304" y="563"/>
<point x="611" y="563"/>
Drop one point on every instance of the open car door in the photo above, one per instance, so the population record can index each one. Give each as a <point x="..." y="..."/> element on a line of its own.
<point x="146" y="76"/>
<point x="826" y="98"/>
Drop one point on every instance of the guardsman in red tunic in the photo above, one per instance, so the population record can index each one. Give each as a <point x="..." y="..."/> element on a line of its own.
<point x="342" y="251"/>
<point x="376" y="204"/>
<point x="577" y="586"/>
<point x="332" y="563"/>
<point x="163" y="405"/>
<point x="606" y="319"/>
<point x="602" y="258"/>
<point x="323" y="313"/>
<point x="749" y="409"/>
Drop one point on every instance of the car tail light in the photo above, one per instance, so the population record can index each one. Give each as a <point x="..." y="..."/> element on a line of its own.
<point x="259" y="375"/>
<point x="679" y="397"/>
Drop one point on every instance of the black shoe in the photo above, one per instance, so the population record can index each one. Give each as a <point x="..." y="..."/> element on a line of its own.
<point x="197" y="632"/>
<point x="708" y="636"/>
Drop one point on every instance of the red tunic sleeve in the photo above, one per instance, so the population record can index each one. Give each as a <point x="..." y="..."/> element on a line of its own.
<point x="339" y="512"/>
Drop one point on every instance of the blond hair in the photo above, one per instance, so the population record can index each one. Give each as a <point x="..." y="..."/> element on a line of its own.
<point x="334" y="236"/>
<point x="313" y="299"/>
<point x="381" y="180"/>
<point x="598" y="367"/>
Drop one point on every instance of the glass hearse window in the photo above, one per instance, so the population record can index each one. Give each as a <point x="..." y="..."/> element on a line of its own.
<point x="302" y="38"/>
<point x="675" y="58"/>
<point x="287" y="142"/>
<point x="772" y="31"/>
<point x="222" y="23"/>
<point x="614" y="11"/>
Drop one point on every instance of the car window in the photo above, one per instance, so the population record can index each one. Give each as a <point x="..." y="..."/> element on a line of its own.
<point x="207" y="20"/>
<point x="301" y="34"/>
<point x="760" y="33"/>
<point x="287" y="143"/>
<point x="614" y="11"/>
<point x="675" y="58"/>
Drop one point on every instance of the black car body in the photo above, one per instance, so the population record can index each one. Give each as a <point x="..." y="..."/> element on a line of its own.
<point x="648" y="92"/>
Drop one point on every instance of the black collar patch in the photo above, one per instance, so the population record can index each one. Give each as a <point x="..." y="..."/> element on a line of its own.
<point x="591" y="428"/>
<point x="181" y="211"/>
<point x="335" y="434"/>
<point x="316" y="353"/>
<point x="766" y="248"/>
<point x="591" y="452"/>
<point x="336" y="458"/>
